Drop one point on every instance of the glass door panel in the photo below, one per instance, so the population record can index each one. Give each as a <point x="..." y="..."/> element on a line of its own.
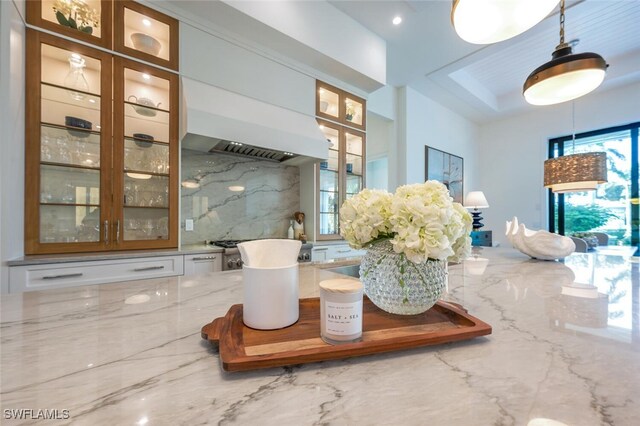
<point x="354" y="164"/>
<point x="69" y="224"/>
<point x="145" y="34"/>
<point x="63" y="146"/>
<point x="354" y="112"/>
<point x="328" y="102"/>
<point x="86" y="20"/>
<point x="145" y="224"/>
<point x="612" y="208"/>
<point x="329" y="179"/>
<point x="69" y="185"/>
<point x="144" y="190"/>
<point x="143" y="156"/>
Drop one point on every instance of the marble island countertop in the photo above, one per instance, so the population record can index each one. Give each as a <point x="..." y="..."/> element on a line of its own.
<point x="131" y="353"/>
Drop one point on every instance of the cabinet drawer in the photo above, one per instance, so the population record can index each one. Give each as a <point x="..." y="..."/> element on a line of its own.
<point x="202" y="263"/>
<point x="330" y="252"/>
<point x="41" y="277"/>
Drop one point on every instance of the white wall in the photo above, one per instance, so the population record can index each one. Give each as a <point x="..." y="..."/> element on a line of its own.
<point x="513" y="151"/>
<point x="423" y="121"/>
<point x="11" y="137"/>
<point x="210" y="59"/>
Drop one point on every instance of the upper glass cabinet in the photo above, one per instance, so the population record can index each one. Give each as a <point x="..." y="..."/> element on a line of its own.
<point x="339" y="106"/>
<point x="67" y="145"/>
<point x="86" y="20"/>
<point x="143" y="33"/>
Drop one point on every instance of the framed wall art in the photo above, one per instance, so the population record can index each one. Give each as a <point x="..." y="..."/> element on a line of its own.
<point x="446" y="168"/>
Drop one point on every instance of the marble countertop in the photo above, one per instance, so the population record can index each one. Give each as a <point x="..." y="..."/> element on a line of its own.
<point x="565" y="346"/>
<point x="96" y="256"/>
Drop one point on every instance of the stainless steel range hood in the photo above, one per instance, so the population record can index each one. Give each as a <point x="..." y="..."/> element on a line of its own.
<point x="216" y="120"/>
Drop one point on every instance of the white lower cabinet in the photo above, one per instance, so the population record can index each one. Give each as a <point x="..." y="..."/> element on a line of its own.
<point x="202" y="263"/>
<point x="321" y="253"/>
<point x="58" y="275"/>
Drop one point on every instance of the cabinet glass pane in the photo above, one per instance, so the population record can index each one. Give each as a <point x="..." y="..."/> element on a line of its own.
<point x="85" y="14"/>
<point x="80" y="74"/>
<point x="353" y="111"/>
<point x="146" y="34"/>
<point x="69" y="185"/>
<point x="354" y="185"/>
<point x="328" y="223"/>
<point x="329" y="102"/>
<point x="328" y="180"/>
<point x="354" y="144"/>
<point x="66" y="224"/>
<point x="146" y="106"/>
<point x="145" y="224"/>
<point x="60" y="108"/>
<point x="141" y="190"/>
<point x="143" y="156"/>
<point x="354" y="165"/>
<point x="59" y="145"/>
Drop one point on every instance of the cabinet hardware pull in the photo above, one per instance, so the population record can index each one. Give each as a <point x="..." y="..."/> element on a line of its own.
<point x="106" y="232"/>
<point x="148" y="268"/>
<point x="117" y="231"/>
<point x="204" y="258"/>
<point x="344" y="251"/>
<point x="321" y="249"/>
<point x="57" y="277"/>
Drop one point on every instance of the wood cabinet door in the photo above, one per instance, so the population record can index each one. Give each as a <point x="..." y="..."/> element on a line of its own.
<point x="146" y="34"/>
<point x="68" y="146"/>
<point x="85" y="20"/>
<point x="145" y="176"/>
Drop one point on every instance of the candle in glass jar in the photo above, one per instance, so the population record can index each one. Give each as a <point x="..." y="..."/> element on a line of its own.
<point x="341" y="311"/>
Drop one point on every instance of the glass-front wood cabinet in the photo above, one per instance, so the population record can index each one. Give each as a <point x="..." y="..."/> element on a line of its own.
<point x="337" y="105"/>
<point x="86" y="20"/>
<point x="101" y="150"/>
<point x="144" y="33"/>
<point x="146" y="155"/>
<point x="339" y="177"/>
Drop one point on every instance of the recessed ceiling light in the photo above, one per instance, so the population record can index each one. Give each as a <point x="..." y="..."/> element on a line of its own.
<point x="321" y="127"/>
<point x="397" y="20"/>
<point x="146" y="22"/>
<point x="146" y="76"/>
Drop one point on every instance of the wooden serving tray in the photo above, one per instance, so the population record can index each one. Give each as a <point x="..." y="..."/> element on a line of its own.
<point x="242" y="348"/>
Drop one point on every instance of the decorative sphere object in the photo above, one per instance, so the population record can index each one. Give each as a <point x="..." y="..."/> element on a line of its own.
<point x="540" y="244"/>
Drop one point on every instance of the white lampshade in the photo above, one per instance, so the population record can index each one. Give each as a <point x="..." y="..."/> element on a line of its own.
<point x="476" y="200"/>
<point x="491" y="21"/>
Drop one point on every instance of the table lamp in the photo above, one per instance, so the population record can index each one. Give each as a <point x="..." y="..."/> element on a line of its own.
<point x="476" y="200"/>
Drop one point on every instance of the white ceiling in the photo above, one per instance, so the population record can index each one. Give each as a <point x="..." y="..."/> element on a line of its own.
<point x="482" y="83"/>
<point x="485" y="82"/>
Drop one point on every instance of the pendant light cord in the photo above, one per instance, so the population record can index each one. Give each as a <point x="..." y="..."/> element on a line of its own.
<point x="573" y="118"/>
<point x="561" y="22"/>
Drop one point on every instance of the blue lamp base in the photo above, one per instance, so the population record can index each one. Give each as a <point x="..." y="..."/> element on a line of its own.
<point x="477" y="220"/>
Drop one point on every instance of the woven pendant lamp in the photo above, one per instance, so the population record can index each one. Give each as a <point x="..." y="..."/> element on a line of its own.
<point x="575" y="172"/>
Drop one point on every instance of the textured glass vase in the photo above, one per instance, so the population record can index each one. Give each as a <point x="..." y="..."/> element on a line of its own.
<point x="397" y="285"/>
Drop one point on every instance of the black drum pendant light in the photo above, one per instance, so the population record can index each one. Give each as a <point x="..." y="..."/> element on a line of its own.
<point x="566" y="76"/>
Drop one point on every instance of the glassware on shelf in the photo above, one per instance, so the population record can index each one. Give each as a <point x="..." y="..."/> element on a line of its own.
<point x="75" y="78"/>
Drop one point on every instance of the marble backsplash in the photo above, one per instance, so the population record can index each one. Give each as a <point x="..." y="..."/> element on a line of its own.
<point x="237" y="198"/>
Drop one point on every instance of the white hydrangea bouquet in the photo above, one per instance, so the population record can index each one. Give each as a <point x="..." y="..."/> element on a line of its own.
<point x="421" y="220"/>
<point x="409" y="236"/>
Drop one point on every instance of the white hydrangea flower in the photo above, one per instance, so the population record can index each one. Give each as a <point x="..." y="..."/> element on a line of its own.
<point x="364" y="217"/>
<point x="421" y="219"/>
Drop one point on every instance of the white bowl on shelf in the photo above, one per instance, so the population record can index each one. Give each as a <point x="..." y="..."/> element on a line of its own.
<point x="145" y="43"/>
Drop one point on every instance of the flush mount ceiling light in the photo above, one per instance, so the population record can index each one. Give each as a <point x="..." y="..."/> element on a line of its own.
<point x="566" y="76"/>
<point x="491" y="21"/>
<point x="397" y="20"/>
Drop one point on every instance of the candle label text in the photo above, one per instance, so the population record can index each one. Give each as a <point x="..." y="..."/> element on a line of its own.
<point x="343" y="319"/>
